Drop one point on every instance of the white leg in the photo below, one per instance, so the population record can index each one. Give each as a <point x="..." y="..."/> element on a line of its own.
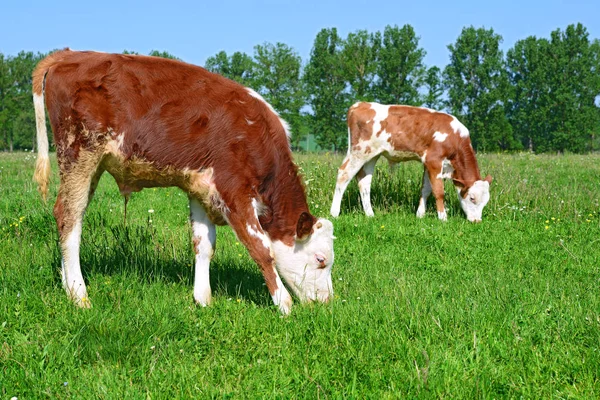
<point x="346" y="172"/>
<point x="74" y="194"/>
<point x="425" y="192"/>
<point x="281" y="297"/>
<point x="204" y="236"/>
<point x="364" y="177"/>
<point x="72" y="278"/>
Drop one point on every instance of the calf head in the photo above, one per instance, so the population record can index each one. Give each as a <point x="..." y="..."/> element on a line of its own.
<point x="474" y="198"/>
<point x="306" y="265"/>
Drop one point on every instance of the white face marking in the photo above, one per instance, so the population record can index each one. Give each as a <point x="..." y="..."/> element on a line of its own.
<point x="446" y="171"/>
<point x="476" y="199"/>
<point x="459" y="128"/>
<point x="285" y="125"/>
<point x="302" y="265"/>
<point x="439" y="136"/>
<point x="257" y="234"/>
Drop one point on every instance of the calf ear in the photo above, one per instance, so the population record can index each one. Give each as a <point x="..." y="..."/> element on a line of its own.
<point x="304" y="226"/>
<point x="459" y="182"/>
<point x="489" y="179"/>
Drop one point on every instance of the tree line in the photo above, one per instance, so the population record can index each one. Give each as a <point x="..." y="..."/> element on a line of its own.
<point x="542" y="95"/>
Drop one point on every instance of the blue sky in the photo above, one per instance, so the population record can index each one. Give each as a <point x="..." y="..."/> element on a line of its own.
<point x="195" y="30"/>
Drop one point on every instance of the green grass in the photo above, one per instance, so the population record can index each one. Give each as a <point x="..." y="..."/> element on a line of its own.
<point x="508" y="308"/>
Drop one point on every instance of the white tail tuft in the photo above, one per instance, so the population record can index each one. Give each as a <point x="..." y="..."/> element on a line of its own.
<point x="42" y="165"/>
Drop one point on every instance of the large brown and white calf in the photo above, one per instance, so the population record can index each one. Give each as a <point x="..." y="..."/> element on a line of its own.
<point x="154" y="122"/>
<point x="402" y="133"/>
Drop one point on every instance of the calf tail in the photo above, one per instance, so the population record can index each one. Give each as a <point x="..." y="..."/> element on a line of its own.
<point x="42" y="165"/>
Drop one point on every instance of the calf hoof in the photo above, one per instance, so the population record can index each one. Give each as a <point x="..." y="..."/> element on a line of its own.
<point x="203" y="298"/>
<point x="285" y="307"/>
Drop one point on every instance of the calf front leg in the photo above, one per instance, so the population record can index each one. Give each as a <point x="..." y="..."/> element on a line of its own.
<point x="437" y="187"/>
<point x="243" y="219"/>
<point x="204" y="236"/>
<point x="425" y="192"/>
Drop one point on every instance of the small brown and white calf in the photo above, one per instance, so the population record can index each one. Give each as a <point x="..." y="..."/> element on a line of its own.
<point x="403" y="133"/>
<point x="154" y="122"/>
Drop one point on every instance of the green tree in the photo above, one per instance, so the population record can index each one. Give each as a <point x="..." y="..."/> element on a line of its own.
<point x="238" y="67"/>
<point x="477" y="85"/>
<point x="163" y="54"/>
<point x="575" y="86"/>
<point x="435" y="88"/>
<point x="359" y="60"/>
<point x="6" y="104"/>
<point x="277" y="78"/>
<point x="326" y="89"/>
<point x="17" y="124"/>
<point x="529" y="103"/>
<point x="400" y="68"/>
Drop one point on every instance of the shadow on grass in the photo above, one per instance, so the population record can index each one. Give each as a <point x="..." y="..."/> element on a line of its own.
<point x="151" y="256"/>
<point x="397" y="189"/>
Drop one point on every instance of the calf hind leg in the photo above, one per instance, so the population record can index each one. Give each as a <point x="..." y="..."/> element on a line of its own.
<point x="437" y="187"/>
<point x="364" y="178"/>
<point x="76" y="189"/>
<point x="346" y="172"/>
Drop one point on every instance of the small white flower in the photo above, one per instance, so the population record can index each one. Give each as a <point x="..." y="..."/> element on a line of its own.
<point x="151" y="211"/>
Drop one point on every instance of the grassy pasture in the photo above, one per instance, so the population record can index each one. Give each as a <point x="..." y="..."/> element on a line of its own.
<point x="508" y="308"/>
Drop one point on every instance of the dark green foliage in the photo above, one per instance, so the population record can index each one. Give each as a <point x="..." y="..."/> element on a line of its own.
<point x="435" y="88"/>
<point x="556" y="84"/>
<point x="238" y="67"/>
<point x="543" y="96"/>
<point x="359" y="58"/>
<point x="325" y="81"/>
<point x="163" y="54"/>
<point x="400" y="69"/>
<point x="17" y="119"/>
<point x="477" y="85"/>
<point x="277" y="77"/>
